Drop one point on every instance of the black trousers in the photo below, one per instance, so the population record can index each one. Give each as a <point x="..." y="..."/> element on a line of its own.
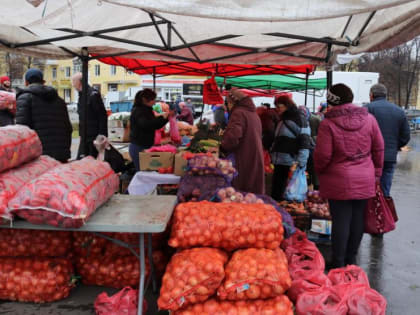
<point x="347" y="230"/>
<point x="280" y="176"/>
<point x="90" y="148"/>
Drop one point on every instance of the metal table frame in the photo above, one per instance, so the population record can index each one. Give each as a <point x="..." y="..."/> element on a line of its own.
<point x="116" y="210"/>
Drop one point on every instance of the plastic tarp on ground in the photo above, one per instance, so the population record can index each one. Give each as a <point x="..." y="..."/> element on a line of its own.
<point x="274" y="82"/>
<point x="235" y="32"/>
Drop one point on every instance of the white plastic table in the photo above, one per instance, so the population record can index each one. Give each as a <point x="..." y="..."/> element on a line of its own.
<point x="124" y="213"/>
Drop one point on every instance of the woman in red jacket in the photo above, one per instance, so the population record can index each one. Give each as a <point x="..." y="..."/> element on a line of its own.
<point x="348" y="159"/>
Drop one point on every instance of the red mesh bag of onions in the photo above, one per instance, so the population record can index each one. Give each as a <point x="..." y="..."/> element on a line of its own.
<point x="226" y="225"/>
<point x="67" y="195"/>
<point x="192" y="276"/>
<point x="255" y="273"/>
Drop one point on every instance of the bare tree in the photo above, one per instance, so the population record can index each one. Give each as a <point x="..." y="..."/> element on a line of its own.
<point x="399" y="70"/>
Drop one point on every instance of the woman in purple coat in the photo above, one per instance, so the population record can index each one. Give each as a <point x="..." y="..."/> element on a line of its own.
<point x="348" y="159"/>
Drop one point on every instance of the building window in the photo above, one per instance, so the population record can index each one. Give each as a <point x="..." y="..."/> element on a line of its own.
<point x="113" y="70"/>
<point x="68" y="72"/>
<point x="112" y="87"/>
<point x="171" y="94"/>
<point x="67" y="95"/>
<point x="130" y="72"/>
<point x="97" y="70"/>
<point x="54" y="73"/>
<point x="97" y="87"/>
<point x="77" y="68"/>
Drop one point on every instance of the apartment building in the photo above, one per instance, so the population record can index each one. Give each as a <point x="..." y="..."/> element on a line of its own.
<point x="104" y="78"/>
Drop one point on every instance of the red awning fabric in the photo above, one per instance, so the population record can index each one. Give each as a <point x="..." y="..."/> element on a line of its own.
<point x="258" y="92"/>
<point x="201" y="69"/>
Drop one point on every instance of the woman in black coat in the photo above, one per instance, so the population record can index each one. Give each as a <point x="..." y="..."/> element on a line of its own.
<point x="143" y="124"/>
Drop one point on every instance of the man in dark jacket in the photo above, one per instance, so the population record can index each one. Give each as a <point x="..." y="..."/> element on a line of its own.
<point x="6" y="116"/>
<point x="40" y="108"/>
<point x="97" y="119"/>
<point x="395" y="131"/>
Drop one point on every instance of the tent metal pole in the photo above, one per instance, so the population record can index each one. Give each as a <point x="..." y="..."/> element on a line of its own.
<point x="84" y="101"/>
<point x="313" y="105"/>
<point x="154" y="79"/>
<point x="347" y="25"/>
<point x="329" y="78"/>
<point x="356" y="40"/>
<point x="45" y="41"/>
<point x="152" y="17"/>
<point x="285" y="53"/>
<point x="328" y="68"/>
<point x="306" y="88"/>
<point x="114" y="55"/>
<point x="310" y="39"/>
<point x="114" y="29"/>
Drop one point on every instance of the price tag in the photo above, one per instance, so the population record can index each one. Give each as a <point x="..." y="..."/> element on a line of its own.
<point x="242" y="288"/>
<point x="181" y="301"/>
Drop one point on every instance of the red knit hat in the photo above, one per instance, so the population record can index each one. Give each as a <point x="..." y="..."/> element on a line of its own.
<point x="4" y="78"/>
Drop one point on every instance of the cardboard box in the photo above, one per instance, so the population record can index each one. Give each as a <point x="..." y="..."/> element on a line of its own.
<point x="152" y="161"/>
<point x="180" y="164"/>
<point x="117" y="134"/>
<point x="126" y="156"/>
<point x="115" y="124"/>
<point x="321" y="226"/>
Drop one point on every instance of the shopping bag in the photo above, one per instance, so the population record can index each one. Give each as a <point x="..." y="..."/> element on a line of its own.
<point x="211" y="92"/>
<point x="174" y="131"/>
<point x="391" y="205"/>
<point x="297" y="186"/>
<point x="378" y="215"/>
<point x="123" y="302"/>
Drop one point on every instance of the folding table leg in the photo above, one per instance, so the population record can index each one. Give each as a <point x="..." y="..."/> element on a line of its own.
<point x="142" y="275"/>
<point x="152" y="265"/>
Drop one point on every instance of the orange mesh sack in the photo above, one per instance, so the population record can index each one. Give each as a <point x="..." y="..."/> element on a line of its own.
<point x="114" y="272"/>
<point x="67" y="195"/>
<point x="38" y="280"/>
<point x="12" y="180"/>
<point x="255" y="274"/>
<point x="88" y="244"/>
<point x="226" y="225"/>
<point x="18" y="145"/>
<point x="40" y="243"/>
<point x="192" y="276"/>
<point x="280" y="305"/>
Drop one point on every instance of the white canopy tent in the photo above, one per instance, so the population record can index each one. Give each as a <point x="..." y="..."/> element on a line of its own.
<point x="241" y="31"/>
<point x="262" y="32"/>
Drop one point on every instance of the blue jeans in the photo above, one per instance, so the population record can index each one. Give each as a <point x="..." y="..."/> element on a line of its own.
<point x="386" y="179"/>
<point x="134" y="151"/>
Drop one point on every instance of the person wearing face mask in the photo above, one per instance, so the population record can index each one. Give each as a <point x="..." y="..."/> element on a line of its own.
<point x="243" y="139"/>
<point x="143" y="124"/>
<point x="291" y="144"/>
<point x="6" y="116"/>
